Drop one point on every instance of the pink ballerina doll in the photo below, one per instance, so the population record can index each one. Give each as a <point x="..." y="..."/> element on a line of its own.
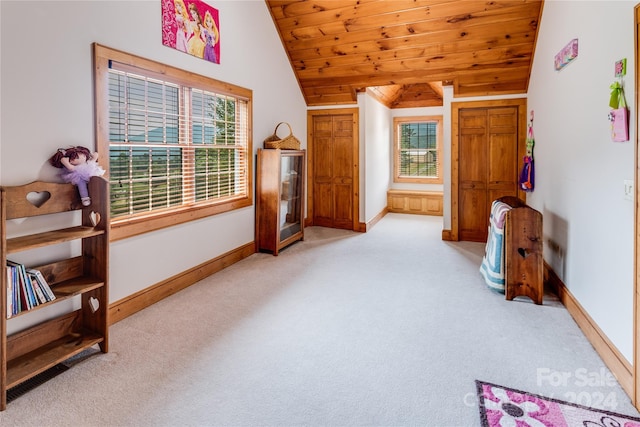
<point x="78" y="165"/>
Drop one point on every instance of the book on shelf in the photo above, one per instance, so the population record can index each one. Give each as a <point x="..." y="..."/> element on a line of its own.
<point x="37" y="288"/>
<point x="26" y="302"/>
<point x="42" y="283"/>
<point x="15" y="290"/>
<point x="33" y="299"/>
<point x="26" y="288"/>
<point x="9" y="292"/>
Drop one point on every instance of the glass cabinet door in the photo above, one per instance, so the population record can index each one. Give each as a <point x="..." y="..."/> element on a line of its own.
<point x="290" y="200"/>
<point x="280" y="181"/>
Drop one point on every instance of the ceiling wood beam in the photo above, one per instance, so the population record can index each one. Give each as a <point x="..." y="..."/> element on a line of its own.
<point x="425" y="44"/>
<point x="407" y="28"/>
<point x="408" y="78"/>
<point x="437" y="88"/>
<point x="413" y="61"/>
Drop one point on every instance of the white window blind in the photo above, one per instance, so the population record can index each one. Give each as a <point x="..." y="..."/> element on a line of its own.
<point x="173" y="145"/>
<point x="418" y="149"/>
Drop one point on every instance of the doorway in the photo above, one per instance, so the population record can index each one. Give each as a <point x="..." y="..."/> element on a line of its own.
<point x="487" y="142"/>
<point x="333" y="168"/>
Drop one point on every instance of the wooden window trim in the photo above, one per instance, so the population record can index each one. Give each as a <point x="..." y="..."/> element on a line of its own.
<point x="396" y="155"/>
<point x="143" y="223"/>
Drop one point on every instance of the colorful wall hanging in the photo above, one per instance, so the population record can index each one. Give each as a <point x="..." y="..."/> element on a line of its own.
<point x="528" y="173"/>
<point x="621" y="68"/>
<point x="193" y="27"/>
<point x="619" y="115"/>
<point x="566" y="55"/>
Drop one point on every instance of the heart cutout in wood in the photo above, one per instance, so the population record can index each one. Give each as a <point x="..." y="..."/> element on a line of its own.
<point x="38" y="198"/>
<point x="94" y="217"/>
<point x="524" y="252"/>
<point x="94" y="304"/>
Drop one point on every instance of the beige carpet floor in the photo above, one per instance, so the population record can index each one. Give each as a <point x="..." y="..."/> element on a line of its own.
<point x="385" y="328"/>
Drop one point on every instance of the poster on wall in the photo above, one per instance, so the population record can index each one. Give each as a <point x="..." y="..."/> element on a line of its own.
<point x="193" y="27"/>
<point x="566" y="55"/>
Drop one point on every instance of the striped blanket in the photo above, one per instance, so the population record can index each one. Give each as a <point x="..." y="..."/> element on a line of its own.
<point x="492" y="267"/>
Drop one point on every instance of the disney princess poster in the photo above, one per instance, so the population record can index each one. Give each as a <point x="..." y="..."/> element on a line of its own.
<point x="193" y="27"/>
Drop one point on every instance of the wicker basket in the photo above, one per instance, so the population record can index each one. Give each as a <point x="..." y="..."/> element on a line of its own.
<point x="289" y="142"/>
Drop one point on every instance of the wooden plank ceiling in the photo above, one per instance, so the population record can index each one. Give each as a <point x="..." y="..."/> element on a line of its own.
<point x="406" y="50"/>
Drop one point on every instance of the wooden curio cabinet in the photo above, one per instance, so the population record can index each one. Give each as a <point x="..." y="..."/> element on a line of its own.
<point x="279" y="198"/>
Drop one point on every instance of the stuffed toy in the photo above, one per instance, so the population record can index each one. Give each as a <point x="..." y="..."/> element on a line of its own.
<point x="78" y="165"/>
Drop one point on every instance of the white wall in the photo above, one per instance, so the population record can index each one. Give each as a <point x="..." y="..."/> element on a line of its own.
<point x="588" y="225"/>
<point x="375" y="152"/>
<point x="47" y="102"/>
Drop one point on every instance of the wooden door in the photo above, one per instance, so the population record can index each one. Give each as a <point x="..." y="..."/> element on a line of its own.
<point x="488" y="165"/>
<point x="334" y="182"/>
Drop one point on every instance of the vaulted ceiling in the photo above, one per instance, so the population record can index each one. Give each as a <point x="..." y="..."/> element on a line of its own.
<point x="404" y="51"/>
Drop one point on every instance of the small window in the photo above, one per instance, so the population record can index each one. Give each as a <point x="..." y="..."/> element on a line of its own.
<point x="418" y="149"/>
<point x="178" y="144"/>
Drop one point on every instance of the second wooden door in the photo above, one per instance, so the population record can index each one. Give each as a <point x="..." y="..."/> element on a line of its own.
<point x="488" y="165"/>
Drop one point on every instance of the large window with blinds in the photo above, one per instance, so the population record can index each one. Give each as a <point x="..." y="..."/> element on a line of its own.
<point x="178" y="144"/>
<point x="418" y="149"/>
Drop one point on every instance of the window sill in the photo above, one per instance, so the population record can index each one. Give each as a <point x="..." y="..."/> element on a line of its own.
<point x="416" y="180"/>
<point x="134" y="226"/>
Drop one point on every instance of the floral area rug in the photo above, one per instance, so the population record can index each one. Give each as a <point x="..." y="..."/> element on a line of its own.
<point x="502" y="406"/>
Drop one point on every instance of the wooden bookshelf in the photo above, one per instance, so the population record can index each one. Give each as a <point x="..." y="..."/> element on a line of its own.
<point x="29" y="352"/>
